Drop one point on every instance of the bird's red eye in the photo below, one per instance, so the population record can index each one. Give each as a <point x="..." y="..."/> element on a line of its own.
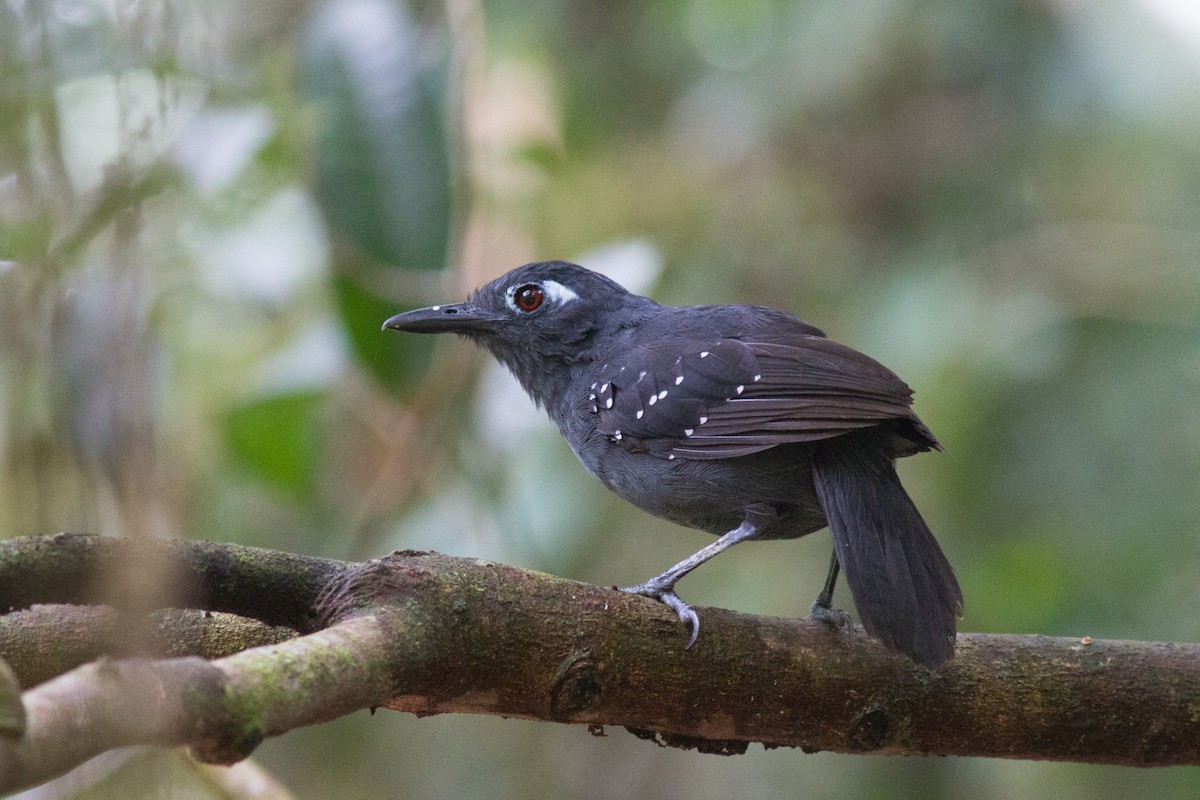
<point x="529" y="297"/>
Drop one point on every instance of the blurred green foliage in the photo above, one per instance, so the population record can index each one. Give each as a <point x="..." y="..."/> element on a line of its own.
<point x="277" y="438"/>
<point x="383" y="172"/>
<point x="363" y="313"/>
<point x="208" y="209"/>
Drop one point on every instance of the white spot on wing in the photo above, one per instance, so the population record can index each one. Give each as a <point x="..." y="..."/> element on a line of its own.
<point x="757" y="378"/>
<point x="741" y="389"/>
<point x="688" y="431"/>
<point x="436" y="308"/>
<point x="641" y="411"/>
<point x="608" y="403"/>
<point x="662" y="394"/>
<point x="653" y="399"/>
<point x="679" y="380"/>
<point x="703" y="420"/>
<point x="671" y="457"/>
<point x="704" y="354"/>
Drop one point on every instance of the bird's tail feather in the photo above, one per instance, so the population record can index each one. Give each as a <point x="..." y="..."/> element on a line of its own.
<point x="903" y="586"/>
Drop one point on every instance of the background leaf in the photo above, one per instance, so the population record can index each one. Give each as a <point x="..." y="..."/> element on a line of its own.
<point x="397" y="362"/>
<point x="278" y="438"/>
<point x="383" y="168"/>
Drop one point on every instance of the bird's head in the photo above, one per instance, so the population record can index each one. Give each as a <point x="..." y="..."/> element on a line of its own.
<point x="539" y="320"/>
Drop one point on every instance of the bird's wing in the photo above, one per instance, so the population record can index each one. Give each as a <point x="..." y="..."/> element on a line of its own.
<point x="736" y="396"/>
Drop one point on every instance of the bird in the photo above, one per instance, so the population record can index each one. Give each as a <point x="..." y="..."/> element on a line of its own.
<point x="738" y="420"/>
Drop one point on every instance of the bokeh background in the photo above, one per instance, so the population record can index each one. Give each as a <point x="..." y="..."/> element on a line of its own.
<point x="208" y="208"/>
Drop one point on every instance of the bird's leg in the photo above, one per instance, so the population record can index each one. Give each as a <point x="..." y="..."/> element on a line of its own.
<point x="822" y="609"/>
<point x="662" y="587"/>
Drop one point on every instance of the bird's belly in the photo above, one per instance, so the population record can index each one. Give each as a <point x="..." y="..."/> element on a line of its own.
<point x="715" y="495"/>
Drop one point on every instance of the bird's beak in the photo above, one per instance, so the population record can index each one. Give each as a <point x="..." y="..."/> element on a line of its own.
<point x="450" y="318"/>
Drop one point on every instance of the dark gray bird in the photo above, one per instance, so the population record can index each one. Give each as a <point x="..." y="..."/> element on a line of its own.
<point x="738" y="420"/>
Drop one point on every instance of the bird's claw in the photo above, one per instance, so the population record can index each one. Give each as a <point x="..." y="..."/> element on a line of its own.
<point x="830" y="616"/>
<point x="687" y="615"/>
<point x="666" y="595"/>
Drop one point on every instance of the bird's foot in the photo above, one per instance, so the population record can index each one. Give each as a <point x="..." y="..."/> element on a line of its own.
<point x="665" y="594"/>
<point x="829" y="615"/>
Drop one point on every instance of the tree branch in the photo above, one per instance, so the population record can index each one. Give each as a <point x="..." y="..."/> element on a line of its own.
<point x="273" y="587"/>
<point x="223" y="709"/>
<point x="428" y="634"/>
<point x="48" y="640"/>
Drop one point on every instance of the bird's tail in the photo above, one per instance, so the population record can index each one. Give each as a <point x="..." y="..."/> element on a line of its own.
<point x="904" y="589"/>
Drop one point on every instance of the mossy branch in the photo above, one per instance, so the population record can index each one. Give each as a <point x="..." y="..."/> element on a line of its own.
<point x="427" y="633"/>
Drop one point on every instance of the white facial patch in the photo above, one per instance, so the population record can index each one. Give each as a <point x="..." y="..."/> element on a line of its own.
<point x="555" y="291"/>
<point x="559" y="293"/>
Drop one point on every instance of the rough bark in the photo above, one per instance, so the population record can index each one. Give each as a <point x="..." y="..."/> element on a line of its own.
<point x="427" y="634"/>
<point x="48" y="640"/>
<point x="273" y="587"/>
<point x="223" y="709"/>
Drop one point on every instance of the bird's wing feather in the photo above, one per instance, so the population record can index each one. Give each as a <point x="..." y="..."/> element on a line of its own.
<point x="707" y="399"/>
